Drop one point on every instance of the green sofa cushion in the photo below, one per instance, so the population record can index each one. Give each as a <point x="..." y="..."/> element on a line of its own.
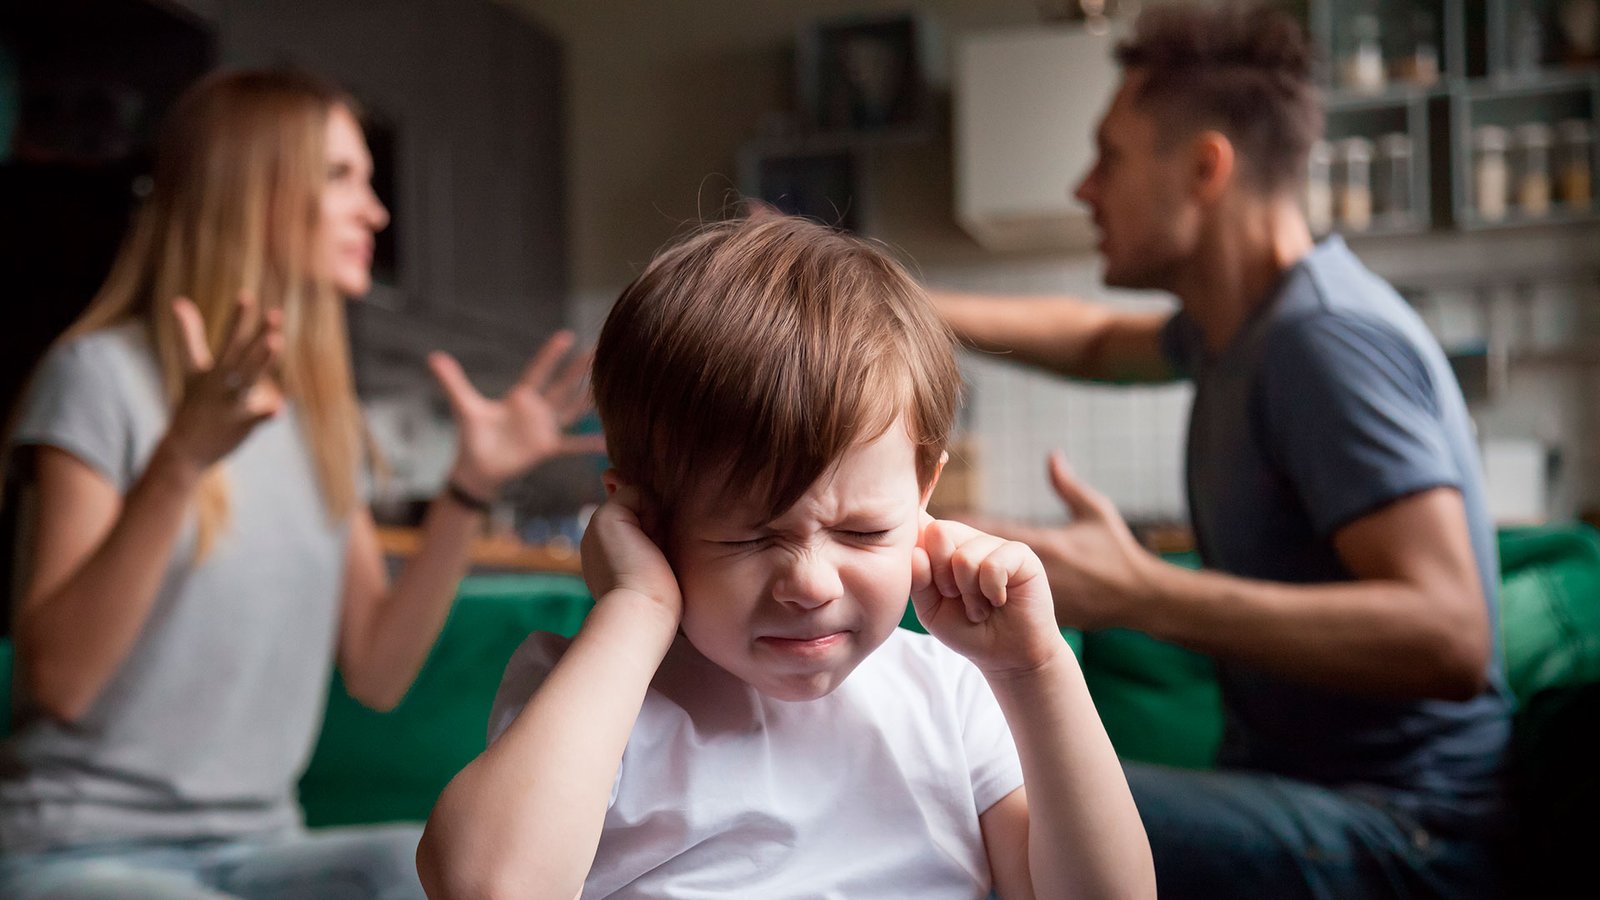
<point x="381" y="767"/>
<point x="1550" y="608"/>
<point x="1159" y="702"/>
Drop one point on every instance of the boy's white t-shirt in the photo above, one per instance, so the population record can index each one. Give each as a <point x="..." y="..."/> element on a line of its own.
<point x="871" y="791"/>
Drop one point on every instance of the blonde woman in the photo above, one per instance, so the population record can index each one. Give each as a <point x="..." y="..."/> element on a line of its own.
<point x="198" y="552"/>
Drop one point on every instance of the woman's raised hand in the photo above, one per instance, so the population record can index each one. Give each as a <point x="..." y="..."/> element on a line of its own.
<point x="503" y="438"/>
<point x="226" y="397"/>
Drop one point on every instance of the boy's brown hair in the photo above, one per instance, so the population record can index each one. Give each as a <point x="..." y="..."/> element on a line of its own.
<point x="751" y="355"/>
<point x="1244" y="69"/>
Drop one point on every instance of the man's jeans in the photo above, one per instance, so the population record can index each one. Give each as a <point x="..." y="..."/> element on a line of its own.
<point x="1245" y="834"/>
<point x="355" y="863"/>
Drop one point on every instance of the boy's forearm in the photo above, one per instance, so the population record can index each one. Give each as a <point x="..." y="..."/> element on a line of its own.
<point x="1084" y="834"/>
<point x="524" y="818"/>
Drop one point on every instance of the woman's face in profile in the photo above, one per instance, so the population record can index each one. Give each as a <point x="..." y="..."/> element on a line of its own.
<point x="350" y="213"/>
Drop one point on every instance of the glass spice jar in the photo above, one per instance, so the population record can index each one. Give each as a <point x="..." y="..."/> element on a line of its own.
<point x="1575" y="164"/>
<point x="1319" y="188"/>
<point x="1391" y="178"/>
<point x="1533" y="169"/>
<point x="1491" y="175"/>
<point x="1361" y="69"/>
<point x="1355" y="185"/>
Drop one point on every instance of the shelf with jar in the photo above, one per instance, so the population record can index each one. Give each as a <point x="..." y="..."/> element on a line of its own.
<point x="1526" y="153"/>
<point x="1475" y="114"/>
<point x="1389" y="67"/>
<point x="1370" y="175"/>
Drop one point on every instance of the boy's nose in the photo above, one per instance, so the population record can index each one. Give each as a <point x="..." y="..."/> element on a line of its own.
<point x="808" y="582"/>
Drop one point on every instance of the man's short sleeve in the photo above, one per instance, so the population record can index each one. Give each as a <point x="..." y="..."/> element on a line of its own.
<point x="1349" y="411"/>
<point x="1181" y="344"/>
<point x="76" y="403"/>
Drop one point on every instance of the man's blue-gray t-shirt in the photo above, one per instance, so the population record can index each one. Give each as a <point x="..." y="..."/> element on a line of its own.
<point x="1332" y="402"/>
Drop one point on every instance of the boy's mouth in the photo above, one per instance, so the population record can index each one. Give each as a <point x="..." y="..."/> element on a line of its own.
<point x="803" y="645"/>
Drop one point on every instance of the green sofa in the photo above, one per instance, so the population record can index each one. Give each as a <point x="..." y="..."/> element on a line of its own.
<point x="1159" y="702"/>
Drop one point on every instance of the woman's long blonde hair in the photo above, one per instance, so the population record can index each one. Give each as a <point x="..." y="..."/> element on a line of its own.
<point x="239" y="173"/>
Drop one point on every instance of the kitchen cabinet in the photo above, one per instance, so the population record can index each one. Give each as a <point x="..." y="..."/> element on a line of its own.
<point x="1025" y="106"/>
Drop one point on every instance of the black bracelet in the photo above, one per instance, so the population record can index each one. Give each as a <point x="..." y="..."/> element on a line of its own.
<point x="466" y="498"/>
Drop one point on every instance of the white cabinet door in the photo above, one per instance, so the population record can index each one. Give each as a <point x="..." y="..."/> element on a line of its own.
<point x="1026" y="105"/>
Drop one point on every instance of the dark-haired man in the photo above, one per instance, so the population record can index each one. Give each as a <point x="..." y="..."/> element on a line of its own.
<point x="1349" y="590"/>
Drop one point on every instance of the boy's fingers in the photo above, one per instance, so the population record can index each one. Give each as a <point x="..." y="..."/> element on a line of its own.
<point x="1001" y="569"/>
<point x="939" y="546"/>
<point x="965" y="564"/>
<point x="924" y="596"/>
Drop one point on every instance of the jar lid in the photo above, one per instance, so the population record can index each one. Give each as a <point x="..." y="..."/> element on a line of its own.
<point x="1356" y="148"/>
<point x="1575" y="131"/>
<point x="1396" y="143"/>
<point x="1489" y="137"/>
<point x="1533" y="134"/>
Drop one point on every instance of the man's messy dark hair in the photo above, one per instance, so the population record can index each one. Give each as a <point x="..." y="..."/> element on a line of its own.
<point x="1245" y="70"/>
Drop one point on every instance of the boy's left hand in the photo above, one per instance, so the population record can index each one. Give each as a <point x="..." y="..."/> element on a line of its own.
<point x="984" y="597"/>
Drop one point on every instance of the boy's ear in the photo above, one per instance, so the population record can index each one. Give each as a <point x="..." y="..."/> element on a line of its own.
<point x="612" y="481"/>
<point x="927" y="492"/>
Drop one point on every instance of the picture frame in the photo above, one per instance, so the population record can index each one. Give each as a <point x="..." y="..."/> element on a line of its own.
<point x="866" y="76"/>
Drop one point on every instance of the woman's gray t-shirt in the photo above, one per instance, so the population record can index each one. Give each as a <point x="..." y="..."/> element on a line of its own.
<point x="205" y="727"/>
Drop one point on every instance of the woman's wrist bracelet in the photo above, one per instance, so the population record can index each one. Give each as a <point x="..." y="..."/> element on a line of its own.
<point x="466" y="498"/>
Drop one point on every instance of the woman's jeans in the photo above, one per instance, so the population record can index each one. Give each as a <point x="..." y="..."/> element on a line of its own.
<point x="367" y="863"/>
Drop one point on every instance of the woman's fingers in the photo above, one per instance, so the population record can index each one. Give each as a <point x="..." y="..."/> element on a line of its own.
<point x="574" y="444"/>
<point x="259" y="357"/>
<point x="457" y="389"/>
<point x="242" y="328"/>
<point x="569" y="395"/>
<point x="538" y="371"/>
<point x="192" y="336"/>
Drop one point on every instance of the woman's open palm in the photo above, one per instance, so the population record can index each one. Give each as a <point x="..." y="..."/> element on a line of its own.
<point x="505" y="437"/>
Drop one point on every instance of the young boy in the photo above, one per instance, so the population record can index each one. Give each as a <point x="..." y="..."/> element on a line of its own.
<point x="739" y="716"/>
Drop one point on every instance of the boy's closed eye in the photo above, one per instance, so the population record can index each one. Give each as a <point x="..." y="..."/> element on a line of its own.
<point x="861" y="536"/>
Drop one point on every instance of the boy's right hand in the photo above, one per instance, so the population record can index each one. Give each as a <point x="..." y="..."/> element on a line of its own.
<point x="226" y="397"/>
<point x="619" y="554"/>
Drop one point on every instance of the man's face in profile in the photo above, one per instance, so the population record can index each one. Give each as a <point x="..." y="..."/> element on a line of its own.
<point x="1137" y="193"/>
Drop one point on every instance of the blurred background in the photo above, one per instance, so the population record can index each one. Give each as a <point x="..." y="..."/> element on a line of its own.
<point x="535" y="153"/>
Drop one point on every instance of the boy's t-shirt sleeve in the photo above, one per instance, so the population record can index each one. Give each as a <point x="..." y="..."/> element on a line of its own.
<point x="986" y="738"/>
<point x="525" y="672"/>
<point x="1349" y="412"/>
<point x="76" y="403"/>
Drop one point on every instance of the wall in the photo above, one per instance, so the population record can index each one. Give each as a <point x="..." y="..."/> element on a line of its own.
<point x="660" y="95"/>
